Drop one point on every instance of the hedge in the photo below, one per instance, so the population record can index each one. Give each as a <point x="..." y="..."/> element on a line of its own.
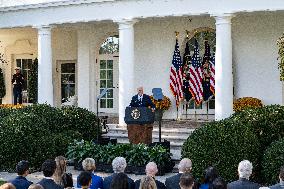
<point x="222" y="144"/>
<point x="39" y="132"/>
<point x="273" y="159"/>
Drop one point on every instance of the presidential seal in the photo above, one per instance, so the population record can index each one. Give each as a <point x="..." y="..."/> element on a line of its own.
<point x="135" y="114"/>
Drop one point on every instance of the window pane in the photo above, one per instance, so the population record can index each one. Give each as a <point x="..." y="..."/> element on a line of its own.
<point x="102" y="64"/>
<point x="109" y="103"/>
<point x="101" y="90"/>
<point x="30" y="63"/>
<point x="110" y="64"/>
<point x="102" y="74"/>
<point x="212" y="104"/>
<point x="109" y="84"/>
<point x="103" y="103"/>
<point x="191" y="105"/>
<point x="24" y="64"/>
<point x="110" y="93"/>
<point x="72" y="78"/>
<point x="110" y="74"/>
<point x="102" y="83"/>
<point x="68" y="68"/>
<point x="19" y="63"/>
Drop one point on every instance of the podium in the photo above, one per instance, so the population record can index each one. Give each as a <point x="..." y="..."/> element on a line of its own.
<point x="139" y="122"/>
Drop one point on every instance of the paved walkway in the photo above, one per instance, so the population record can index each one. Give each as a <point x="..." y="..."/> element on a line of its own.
<point x="35" y="177"/>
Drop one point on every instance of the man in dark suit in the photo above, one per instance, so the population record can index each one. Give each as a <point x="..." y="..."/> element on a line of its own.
<point x="118" y="165"/>
<point x="280" y="185"/>
<point x="185" y="166"/>
<point x="151" y="170"/>
<point x="20" y="182"/>
<point x="48" y="169"/>
<point x="244" y="171"/>
<point x="18" y="82"/>
<point x="141" y="100"/>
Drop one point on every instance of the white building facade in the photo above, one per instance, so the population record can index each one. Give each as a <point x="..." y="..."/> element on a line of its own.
<point x="67" y="37"/>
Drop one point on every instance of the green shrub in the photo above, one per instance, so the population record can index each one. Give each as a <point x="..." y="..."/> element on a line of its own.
<point x="39" y="132"/>
<point x="267" y="123"/>
<point x="221" y="144"/>
<point x="273" y="159"/>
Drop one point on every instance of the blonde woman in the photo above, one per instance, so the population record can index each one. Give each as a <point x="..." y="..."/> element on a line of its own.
<point x="148" y="182"/>
<point x="60" y="176"/>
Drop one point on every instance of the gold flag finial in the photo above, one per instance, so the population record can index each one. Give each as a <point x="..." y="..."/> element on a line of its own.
<point x="177" y="33"/>
<point x="187" y="33"/>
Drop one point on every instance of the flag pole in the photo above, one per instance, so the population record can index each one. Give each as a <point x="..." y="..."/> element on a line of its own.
<point x="207" y="109"/>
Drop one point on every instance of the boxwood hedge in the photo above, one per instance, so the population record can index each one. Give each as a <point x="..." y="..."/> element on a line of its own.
<point x="39" y="132"/>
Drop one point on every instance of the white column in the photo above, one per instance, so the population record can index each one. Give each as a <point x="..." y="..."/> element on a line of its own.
<point x="223" y="68"/>
<point x="45" y="80"/>
<point x="84" y="71"/>
<point x="126" y="66"/>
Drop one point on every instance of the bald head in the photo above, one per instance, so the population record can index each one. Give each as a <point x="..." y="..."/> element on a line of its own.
<point x="185" y="165"/>
<point x="140" y="90"/>
<point x="151" y="169"/>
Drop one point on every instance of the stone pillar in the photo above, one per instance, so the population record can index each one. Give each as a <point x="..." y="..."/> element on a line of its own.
<point x="45" y="79"/>
<point x="223" y="68"/>
<point x="126" y="66"/>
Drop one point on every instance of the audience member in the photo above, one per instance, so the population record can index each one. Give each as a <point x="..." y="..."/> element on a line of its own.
<point x="184" y="166"/>
<point x="148" y="182"/>
<point x="20" y="182"/>
<point x="280" y="185"/>
<point x="118" y="166"/>
<point x="218" y="183"/>
<point x="210" y="174"/>
<point x="60" y="176"/>
<point x="186" y="181"/>
<point x="119" y="181"/>
<point x="7" y="186"/>
<point x="244" y="171"/>
<point x="48" y="169"/>
<point x="89" y="164"/>
<point x="35" y="186"/>
<point x="85" y="179"/>
<point x="151" y="170"/>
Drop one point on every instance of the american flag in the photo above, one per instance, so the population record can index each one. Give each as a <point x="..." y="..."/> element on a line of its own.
<point x="176" y="75"/>
<point x="212" y="74"/>
<point x="195" y="82"/>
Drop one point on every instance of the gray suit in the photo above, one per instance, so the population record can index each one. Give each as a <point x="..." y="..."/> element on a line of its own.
<point x="243" y="183"/>
<point x="173" y="182"/>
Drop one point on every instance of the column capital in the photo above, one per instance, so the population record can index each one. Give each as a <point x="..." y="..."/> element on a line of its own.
<point x="44" y="29"/>
<point x="224" y="18"/>
<point x="125" y="23"/>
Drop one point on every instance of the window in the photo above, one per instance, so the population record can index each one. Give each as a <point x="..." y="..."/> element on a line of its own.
<point x="25" y="65"/>
<point x="110" y="45"/>
<point x="67" y="81"/>
<point x="106" y="81"/>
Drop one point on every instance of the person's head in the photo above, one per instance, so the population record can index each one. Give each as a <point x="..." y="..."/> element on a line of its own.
<point x="35" y="186"/>
<point x="219" y="183"/>
<point x="60" y="166"/>
<point x="210" y="174"/>
<point x="151" y="169"/>
<point x="7" y="186"/>
<point x="22" y="168"/>
<point x="185" y="165"/>
<point x="89" y="164"/>
<point x="18" y="70"/>
<point x="119" y="181"/>
<point x="186" y="181"/>
<point x="281" y="174"/>
<point x="147" y="182"/>
<point x="140" y="90"/>
<point x="85" y="179"/>
<point x="119" y="164"/>
<point x="245" y="169"/>
<point x="48" y="167"/>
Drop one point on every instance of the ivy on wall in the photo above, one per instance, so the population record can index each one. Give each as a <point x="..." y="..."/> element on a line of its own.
<point x="33" y="82"/>
<point x="280" y="43"/>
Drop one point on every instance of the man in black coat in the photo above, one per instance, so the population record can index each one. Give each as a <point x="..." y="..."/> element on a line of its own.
<point x="185" y="166"/>
<point x="151" y="170"/>
<point x="118" y="165"/>
<point x="279" y="185"/>
<point x="18" y="82"/>
<point x="48" y="169"/>
<point x="244" y="171"/>
<point x="21" y="182"/>
<point x="141" y="100"/>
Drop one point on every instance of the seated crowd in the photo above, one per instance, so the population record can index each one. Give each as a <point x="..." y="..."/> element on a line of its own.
<point x="55" y="177"/>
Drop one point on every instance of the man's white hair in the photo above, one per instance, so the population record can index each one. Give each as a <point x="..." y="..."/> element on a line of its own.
<point x="185" y="165"/>
<point x="245" y="169"/>
<point x="151" y="169"/>
<point x="119" y="164"/>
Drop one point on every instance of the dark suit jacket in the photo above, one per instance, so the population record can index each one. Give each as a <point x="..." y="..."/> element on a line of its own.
<point x="277" y="186"/>
<point x="146" y="101"/>
<point x="173" y="181"/>
<point x="21" y="182"/>
<point x="243" y="183"/>
<point x="49" y="184"/>
<point x="159" y="184"/>
<point x="107" y="182"/>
